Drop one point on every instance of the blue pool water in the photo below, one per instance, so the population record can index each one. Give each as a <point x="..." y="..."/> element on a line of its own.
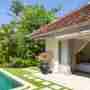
<point x="7" y="83"/>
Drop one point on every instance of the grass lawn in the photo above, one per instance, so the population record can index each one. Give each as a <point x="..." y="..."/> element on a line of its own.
<point x="37" y="83"/>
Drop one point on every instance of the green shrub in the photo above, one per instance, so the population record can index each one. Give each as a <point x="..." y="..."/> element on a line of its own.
<point x="24" y="63"/>
<point x="17" y="63"/>
<point x="35" y="62"/>
<point x="1" y="61"/>
<point x="31" y="62"/>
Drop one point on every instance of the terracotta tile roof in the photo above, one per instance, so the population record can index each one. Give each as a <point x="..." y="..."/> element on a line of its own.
<point x="81" y="15"/>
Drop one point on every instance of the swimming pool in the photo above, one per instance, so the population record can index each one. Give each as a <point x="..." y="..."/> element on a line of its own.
<point x="7" y="83"/>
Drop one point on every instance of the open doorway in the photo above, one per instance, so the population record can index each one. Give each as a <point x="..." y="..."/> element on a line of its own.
<point x="83" y="60"/>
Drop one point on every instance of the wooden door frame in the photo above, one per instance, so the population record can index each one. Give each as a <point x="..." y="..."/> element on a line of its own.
<point x="77" y="56"/>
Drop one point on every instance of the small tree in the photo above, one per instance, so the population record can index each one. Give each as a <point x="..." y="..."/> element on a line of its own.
<point x="16" y="7"/>
<point x="32" y="18"/>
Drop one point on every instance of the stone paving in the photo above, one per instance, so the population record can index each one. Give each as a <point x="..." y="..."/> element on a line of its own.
<point x="40" y="84"/>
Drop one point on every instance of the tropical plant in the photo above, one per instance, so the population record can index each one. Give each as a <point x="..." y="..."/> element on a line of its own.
<point x="16" y="7"/>
<point x="15" y="39"/>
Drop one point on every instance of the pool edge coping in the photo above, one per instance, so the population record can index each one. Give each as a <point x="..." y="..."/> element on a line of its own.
<point x="23" y="82"/>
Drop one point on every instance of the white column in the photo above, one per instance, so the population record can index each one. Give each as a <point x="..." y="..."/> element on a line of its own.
<point x="52" y="45"/>
<point x="65" y="66"/>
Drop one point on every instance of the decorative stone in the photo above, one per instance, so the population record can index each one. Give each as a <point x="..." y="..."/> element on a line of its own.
<point x="65" y="89"/>
<point x="30" y="77"/>
<point x="38" y="80"/>
<point x="25" y="75"/>
<point x="46" y="83"/>
<point x="33" y="86"/>
<point x="46" y="88"/>
<point x="56" y="87"/>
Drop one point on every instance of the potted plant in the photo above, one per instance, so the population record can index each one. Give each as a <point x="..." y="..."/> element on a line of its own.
<point x="46" y="59"/>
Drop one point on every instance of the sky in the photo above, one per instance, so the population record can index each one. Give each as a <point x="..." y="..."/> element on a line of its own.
<point x="67" y="6"/>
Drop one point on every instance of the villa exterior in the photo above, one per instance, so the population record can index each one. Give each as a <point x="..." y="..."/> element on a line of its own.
<point x="66" y="38"/>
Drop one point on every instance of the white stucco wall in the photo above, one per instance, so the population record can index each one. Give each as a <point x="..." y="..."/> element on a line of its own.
<point x="65" y="66"/>
<point x="52" y="45"/>
<point x="65" y="52"/>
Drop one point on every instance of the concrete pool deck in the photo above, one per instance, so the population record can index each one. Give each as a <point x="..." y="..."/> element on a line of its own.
<point x="25" y="85"/>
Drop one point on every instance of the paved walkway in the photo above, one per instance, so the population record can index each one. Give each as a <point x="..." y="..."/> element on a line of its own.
<point x="39" y="83"/>
<point x="72" y="81"/>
